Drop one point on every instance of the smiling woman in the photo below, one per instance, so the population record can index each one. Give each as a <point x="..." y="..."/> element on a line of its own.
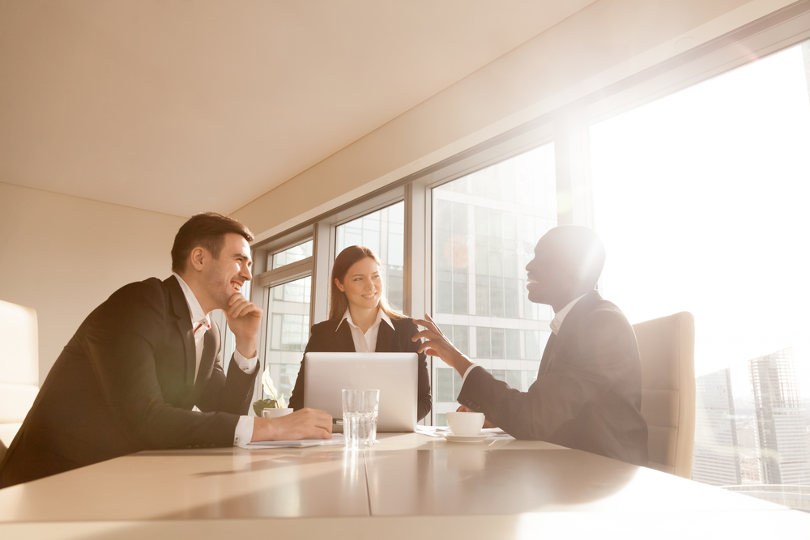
<point x="357" y="286"/>
<point x="360" y="320"/>
<point x="383" y="231"/>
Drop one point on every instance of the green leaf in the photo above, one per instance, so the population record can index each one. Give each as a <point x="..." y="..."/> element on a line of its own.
<point x="260" y="404"/>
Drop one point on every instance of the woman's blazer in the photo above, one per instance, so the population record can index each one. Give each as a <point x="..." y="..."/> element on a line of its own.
<point x="336" y="336"/>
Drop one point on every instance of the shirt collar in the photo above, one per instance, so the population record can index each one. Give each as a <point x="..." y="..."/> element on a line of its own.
<point x="559" y="317"/>
<point x="194" y="307"/>
<point x="381" y="316"/>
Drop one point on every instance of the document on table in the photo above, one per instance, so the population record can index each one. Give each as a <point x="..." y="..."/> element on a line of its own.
<point x="337" y="439"/>
<point x="441" y="431"/>
<point x="432" y="431"/>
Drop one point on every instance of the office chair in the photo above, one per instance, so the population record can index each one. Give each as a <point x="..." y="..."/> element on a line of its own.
<point x="667" y="349"/>
<point x="19" y="367"/>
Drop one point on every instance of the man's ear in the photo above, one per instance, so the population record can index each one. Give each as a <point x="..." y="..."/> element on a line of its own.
<point x="197" y="257"/>
<point x="339" y="285"/>
<point x="576" y="284"/>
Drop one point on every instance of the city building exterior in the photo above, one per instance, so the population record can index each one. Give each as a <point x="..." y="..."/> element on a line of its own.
<point x="716" y="459"/>
<point x="781" y="430"/>
<point x="486" y="225"/>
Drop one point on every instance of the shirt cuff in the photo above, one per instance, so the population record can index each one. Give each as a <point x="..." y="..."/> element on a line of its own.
<point x="248" y="365"/>
<point x="464" y="377"/>
<point x="244" y="431"/>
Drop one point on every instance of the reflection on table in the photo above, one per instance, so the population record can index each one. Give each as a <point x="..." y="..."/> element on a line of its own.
<point x="495" y="489"/>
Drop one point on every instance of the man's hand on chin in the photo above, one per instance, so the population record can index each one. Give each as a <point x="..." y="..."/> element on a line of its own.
<point x="244" y="318"/>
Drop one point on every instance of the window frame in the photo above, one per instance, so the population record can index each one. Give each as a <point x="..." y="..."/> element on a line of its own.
<point x="567" y="127"/>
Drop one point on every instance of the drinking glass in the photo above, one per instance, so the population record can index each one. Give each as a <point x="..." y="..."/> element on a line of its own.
<point x="360" y="409"/>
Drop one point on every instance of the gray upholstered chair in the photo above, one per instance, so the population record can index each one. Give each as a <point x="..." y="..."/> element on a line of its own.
<point x="667" y="349"/>
<point x="19" y="367"/>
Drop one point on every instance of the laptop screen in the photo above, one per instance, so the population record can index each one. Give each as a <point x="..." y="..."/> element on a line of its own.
<point x="394" y="374"/>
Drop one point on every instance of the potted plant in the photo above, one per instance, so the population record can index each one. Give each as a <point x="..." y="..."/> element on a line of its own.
<point x="275" y="401"/>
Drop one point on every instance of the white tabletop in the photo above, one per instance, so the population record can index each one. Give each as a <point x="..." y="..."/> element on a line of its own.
<point x="494" y="489"/>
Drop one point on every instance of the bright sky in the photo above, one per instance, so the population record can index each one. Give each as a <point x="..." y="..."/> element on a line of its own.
<point x="703" y="201"/>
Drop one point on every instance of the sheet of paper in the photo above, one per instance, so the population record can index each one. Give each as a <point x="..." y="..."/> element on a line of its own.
<point x="441" y="431"/>
<point x="431" y="431"/>
<point x="337" y="439"/>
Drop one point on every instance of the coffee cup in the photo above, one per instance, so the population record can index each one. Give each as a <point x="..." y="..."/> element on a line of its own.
<point x="465" y="424"/>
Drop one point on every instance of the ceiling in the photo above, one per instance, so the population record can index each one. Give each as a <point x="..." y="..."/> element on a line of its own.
<point x="180" y="106"/>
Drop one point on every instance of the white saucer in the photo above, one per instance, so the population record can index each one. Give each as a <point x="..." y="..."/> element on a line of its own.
<point x="458" y="438"/>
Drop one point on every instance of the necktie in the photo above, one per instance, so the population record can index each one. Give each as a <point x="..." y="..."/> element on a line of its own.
<point x="200" y="329"/>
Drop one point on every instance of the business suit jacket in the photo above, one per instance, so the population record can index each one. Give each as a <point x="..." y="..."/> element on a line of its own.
<point x="588" y="389"/>
<point x="125" y="382"/>
<point x="336" y="336"/>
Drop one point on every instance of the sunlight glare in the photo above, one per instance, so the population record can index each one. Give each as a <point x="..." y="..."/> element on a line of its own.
<point x="701" y="199"/>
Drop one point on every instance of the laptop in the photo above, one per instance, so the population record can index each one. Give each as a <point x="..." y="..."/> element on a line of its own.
<point x="395" y="374"/>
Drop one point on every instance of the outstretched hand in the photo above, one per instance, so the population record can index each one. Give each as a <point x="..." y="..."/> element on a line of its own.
<point x="300" y="424"/>
<point x="436" y="344"/>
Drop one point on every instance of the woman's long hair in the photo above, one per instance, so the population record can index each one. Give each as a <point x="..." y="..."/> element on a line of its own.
<point x="345" y="259"/>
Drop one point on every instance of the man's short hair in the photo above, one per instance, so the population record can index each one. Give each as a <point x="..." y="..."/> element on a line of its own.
<point x="206" y="230"/>
<point x="580" y="253"/>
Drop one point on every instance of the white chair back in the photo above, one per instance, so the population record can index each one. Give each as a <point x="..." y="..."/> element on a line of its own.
<point x="667" y="350"/>
<point x="19" y="366"/>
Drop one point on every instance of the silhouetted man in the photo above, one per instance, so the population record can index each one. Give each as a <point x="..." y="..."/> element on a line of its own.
<point x="588" y="389"/>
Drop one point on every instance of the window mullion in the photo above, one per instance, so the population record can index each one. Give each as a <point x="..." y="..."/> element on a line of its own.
<point x="323" y="253"/>
<point x="573" y="168"/>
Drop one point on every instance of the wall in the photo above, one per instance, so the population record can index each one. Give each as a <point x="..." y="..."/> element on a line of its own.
<point x="604" y="43"/>
<point x="64" y="255"/>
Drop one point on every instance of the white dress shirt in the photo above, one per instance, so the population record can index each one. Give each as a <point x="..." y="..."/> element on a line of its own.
<point x="200" y="321"/>
<point x="366" y="341"/>
<point x="559" y="317"/>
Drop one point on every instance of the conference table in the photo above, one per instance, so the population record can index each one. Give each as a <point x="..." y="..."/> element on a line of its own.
<point x="407" y="486"/>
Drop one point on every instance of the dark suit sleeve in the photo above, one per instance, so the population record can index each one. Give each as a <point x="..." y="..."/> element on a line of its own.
<point x="297" y="397"/>
<point x="424" y="399"/>
<point x="123" y="353"/>
<point x="228" y="394"/>
<point x="589" y="372"/>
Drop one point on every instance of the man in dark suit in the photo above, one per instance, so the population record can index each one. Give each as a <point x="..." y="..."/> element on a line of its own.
<point x="139" y="364"/>
<point x="588" y="389"/>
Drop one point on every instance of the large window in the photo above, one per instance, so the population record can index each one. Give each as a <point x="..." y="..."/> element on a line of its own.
<point x="289" y="255"/>
<point x="701" y="198"/>
<point x="485" y="226"/>
<point x="288" y="331"/>
<point x="283" y="284"/>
